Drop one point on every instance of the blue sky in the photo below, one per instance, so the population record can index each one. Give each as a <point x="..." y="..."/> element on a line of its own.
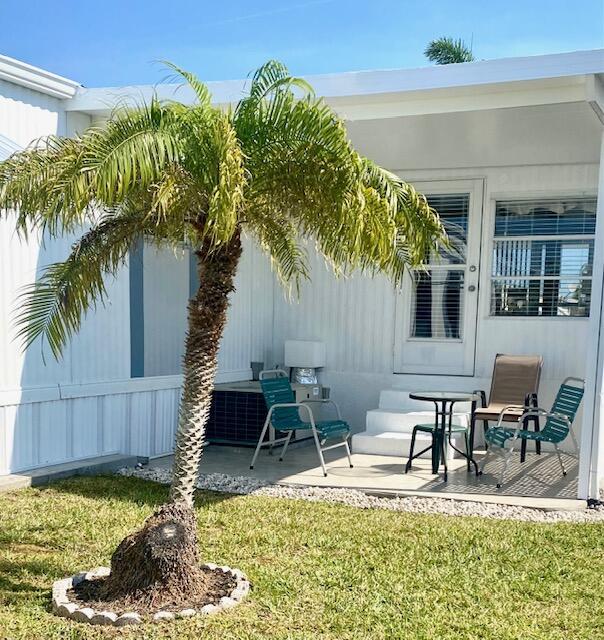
<point x="119" y="42"/>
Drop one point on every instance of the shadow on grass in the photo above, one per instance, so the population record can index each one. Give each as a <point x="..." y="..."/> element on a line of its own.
<point x="17" y="586"/>
<point x="128" y="489"/>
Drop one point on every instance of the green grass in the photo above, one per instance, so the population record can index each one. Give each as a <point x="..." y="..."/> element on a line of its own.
<point x="319" y="570"/>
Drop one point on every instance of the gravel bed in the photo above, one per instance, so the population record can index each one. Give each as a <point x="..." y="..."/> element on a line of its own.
<point x="245" y="485"/>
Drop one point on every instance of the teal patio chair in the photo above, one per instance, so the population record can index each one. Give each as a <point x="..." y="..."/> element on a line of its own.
<point x="284" y="416"/>
<point x="501" y="439"/>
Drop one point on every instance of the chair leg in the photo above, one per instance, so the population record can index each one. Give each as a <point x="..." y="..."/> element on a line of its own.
<point x="259" y="445"/>
<point x="443" y="451"/>
<point x="319" y="451"/>
<point x="468" y="448"/>
<point x="560" y="459"/>
<point x="347" y="446"/>
<point x="484" y="460"/>
<point x="506" y="461"/>
<point x="537" y="429"/>
<point x="289" y="437"/>
<point x="411" y="448"/>
<point x="523" y="443"/>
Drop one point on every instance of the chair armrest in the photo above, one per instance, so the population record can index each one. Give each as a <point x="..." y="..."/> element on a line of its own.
<point x="483" y="396"/>
<point x="537" y="411"/>
<point x="503" y="411"/>
<point x="325" y="401"/>
<point x="546" y="414"/>
<point x="286" y="405"/>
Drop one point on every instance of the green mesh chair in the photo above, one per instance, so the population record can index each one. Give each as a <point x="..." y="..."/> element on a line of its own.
<point x="284" y="416"/>
<point x="501" y="440"/>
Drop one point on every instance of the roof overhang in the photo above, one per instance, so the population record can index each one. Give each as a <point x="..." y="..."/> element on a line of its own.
<point x="26" y="75"/>
<point x="508" y="82"/>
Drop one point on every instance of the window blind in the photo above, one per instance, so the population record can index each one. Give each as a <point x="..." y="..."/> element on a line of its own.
<point x="438" y="290"/>
<point x="542" y="257"/>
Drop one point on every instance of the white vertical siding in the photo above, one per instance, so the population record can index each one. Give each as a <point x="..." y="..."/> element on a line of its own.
<point x="27" y="115"/>
<point x="165" y="295"/>
<point x="55" y="430"/>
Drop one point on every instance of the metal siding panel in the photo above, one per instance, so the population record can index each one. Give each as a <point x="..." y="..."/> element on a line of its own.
<point x="4" y="463"/>
<point x="85" y="427"/>
<point x="115" y="423"/>
<point x="166" y="416"/>
<point x="20" y="437"/>
<point x="142" y="408"/>
<point x="54" y="432"/>
<point x="166" y="291"/>
<point x="235" y="346"/>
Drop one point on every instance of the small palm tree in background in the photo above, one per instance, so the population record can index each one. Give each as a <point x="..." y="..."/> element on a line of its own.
<point x="448" y="51"/>
<point x="278" y="167"/>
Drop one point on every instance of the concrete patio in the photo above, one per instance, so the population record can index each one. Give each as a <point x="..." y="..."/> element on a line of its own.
<point x="536" y="483"/>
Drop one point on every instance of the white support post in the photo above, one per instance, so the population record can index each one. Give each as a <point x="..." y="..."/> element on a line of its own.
<point x="591" y="460"/>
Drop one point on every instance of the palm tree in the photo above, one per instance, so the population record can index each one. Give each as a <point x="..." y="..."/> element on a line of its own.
<point x="448" y="51"/>
<point x="278" y="167"/>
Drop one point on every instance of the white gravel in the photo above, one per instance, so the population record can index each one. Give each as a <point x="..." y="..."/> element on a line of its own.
<point x="245" y="485"/>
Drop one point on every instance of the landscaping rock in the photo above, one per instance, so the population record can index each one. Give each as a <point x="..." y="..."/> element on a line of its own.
<point x="66" y="610"/>
<point x="163" y="615"/>
<point x="104" y="618"/>
<point x="127" y="619"/>
<point x="209" y="609"/>
<point x="84" y="614"/>
<point x="227" y="602"/>
<point x="63" y="607"/>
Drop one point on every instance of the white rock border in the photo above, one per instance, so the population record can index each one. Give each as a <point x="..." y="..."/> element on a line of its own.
<point x="66" y="608"/>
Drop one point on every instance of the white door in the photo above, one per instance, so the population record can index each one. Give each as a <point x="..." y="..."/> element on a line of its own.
<point x="436" y="308"/>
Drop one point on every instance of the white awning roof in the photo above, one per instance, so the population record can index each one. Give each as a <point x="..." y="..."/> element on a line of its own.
<point x="387" y="93"/>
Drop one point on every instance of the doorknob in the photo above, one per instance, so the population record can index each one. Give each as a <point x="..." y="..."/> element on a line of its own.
<point x="472" y="287"/>
<point x="473" y="268"/>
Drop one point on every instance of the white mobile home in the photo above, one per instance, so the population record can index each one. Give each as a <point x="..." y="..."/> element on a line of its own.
<point x="510" y="152"/>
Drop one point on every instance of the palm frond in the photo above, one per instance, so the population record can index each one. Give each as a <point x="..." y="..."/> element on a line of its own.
<point x="54" y="305"/>
<point x="201" y="90"/>
<point x="448" y="51"/>
<point x="274" y="75"/>
<point x="280" y="241"/>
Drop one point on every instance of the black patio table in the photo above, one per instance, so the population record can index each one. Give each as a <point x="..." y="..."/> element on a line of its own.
<point x="444" y="401"/>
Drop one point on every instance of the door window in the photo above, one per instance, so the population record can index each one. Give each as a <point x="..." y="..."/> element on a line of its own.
<point x="438" y="289"/>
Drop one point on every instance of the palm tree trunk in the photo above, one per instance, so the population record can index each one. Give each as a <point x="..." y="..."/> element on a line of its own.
<point x="159" y="563"/>
<point x="207" y="319"/>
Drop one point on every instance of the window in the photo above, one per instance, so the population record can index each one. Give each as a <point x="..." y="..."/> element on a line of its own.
<point x="437" y="306"/>
<point x="542" y="257"/>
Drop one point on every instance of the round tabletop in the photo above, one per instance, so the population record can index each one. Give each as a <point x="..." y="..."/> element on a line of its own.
<point x="445" y="396"/>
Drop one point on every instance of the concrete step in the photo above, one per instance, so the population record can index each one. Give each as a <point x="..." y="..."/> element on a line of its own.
<point x="399" y="400"/>
<point x="395" y="443"/>
<point x="379" y="420"/>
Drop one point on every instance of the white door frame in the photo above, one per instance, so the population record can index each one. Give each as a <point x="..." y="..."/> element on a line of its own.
<point x="461" y="352"/>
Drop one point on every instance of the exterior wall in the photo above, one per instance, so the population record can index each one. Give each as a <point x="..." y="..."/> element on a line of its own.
<point x="356" y="317"/>
<point x="87" y="405"/>
<point x="48" y="410"/>
<point x="169" y="280"/>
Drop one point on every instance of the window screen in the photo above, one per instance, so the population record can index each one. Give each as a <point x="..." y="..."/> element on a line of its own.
<point x="542" y="257"/>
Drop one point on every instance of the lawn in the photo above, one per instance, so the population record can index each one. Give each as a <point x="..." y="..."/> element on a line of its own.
<point x="319" y="570"/>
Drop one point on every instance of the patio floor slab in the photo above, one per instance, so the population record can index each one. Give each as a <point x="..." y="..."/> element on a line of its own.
<point x="536" y="483"/>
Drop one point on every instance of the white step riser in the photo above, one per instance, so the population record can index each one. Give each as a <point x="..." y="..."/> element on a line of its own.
<point x="380" y="420"/>
<point x="399" y="400"/>
<point x="371" y="444"/>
